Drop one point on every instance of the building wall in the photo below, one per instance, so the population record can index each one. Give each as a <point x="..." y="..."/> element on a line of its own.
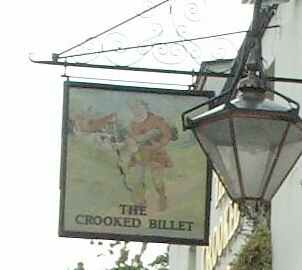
<point x="179" y="257"/>
<point x="226" y="236"/>
<point x="285" y="45"/>
<point x="227" y="233"/>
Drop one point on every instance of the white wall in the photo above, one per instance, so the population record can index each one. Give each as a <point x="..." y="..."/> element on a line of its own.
<point x="179" y="257"/>
<point x="285" y="45"/>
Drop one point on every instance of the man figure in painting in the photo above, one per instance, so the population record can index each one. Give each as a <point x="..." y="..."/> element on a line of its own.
<point x="147" y="138"/>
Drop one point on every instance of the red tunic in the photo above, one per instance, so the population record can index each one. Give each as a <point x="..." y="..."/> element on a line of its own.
<point x="151" y="152"/>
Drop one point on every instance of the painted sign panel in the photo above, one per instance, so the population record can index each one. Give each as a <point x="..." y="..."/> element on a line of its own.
<point x="129" y="172"/>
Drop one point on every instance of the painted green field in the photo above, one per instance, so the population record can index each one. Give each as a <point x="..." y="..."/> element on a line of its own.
<point x="94" y="183"/>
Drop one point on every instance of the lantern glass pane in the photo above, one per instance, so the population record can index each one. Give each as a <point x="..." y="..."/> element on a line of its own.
<point x="215" y="138"/>
<point x="257" y="142"/>
<point x="290" y="153"/>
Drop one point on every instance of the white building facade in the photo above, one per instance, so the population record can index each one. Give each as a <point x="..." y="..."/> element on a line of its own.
<point x="282" y="50"/>
<point x="284" y="47"/>
<point x="228" y="233"/>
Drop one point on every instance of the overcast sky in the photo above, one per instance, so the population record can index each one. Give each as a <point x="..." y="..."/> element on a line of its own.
<point x="31" y="112"/>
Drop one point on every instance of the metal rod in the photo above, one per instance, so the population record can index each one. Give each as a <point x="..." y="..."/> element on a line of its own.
<point x="185" y="126"/>
<point x="275" y="160"/>
<point x="166" y="71"/>
<point x="243" y="53"/>
<point x="129" y="81"/>
<point x="283" y="79"/>
<point x="113" y="27"/>
<point x="126" y="68"/>
<point x="159" y="43"/>
<point x="236" y="155"/>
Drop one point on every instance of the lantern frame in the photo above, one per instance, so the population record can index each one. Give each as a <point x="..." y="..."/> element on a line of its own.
<point x="228" y="111"/>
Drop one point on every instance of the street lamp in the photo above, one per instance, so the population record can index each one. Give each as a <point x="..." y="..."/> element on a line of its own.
<point x="252" y="142"/>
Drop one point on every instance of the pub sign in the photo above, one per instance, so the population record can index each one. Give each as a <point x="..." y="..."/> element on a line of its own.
<point x="128" y="171"/>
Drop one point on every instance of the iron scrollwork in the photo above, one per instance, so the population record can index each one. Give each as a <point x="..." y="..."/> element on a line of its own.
<point x="179" y="20"/>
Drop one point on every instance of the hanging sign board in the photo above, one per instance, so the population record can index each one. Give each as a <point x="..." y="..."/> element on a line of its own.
<point x="129" y="172"/>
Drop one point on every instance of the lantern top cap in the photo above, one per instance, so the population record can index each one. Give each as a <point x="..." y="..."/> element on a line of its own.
<point x="248" y="104"/>
<point x="252" y="83"/>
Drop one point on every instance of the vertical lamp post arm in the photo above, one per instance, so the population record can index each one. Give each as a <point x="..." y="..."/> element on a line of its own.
<point x="254" y="62"/>
<point x="255" y="211"/>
